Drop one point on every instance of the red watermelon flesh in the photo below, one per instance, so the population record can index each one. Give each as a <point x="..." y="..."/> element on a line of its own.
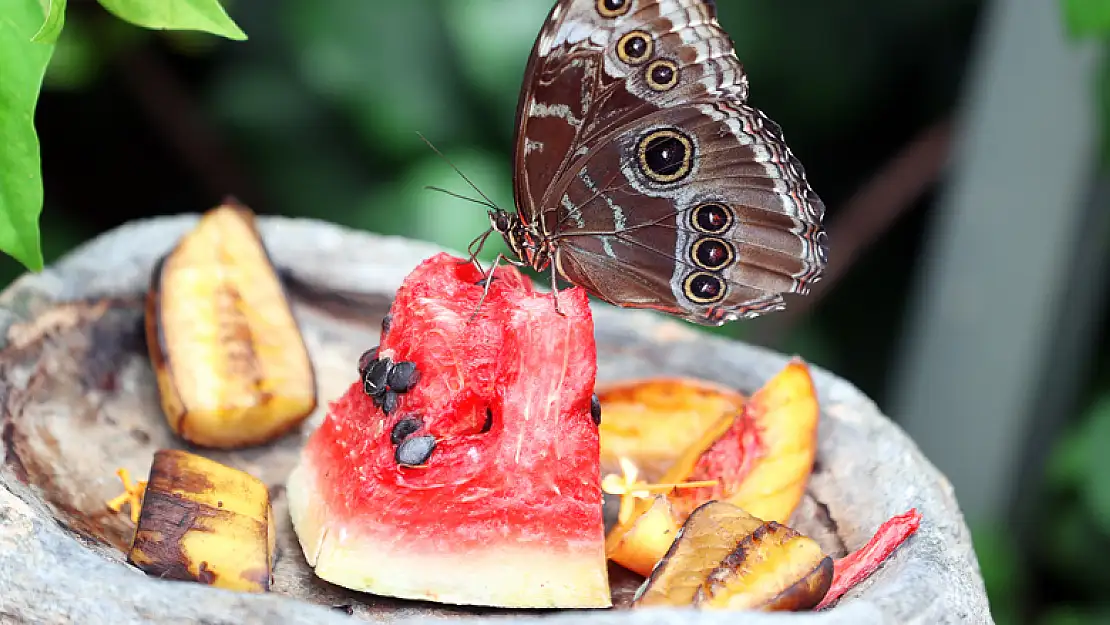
<point x="510" y="516"/>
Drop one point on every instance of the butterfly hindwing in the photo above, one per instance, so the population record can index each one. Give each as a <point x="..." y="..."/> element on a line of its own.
<point x="643" y="169"/>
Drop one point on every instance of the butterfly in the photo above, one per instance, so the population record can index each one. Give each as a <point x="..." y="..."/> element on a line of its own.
<point x="643" y="176"/>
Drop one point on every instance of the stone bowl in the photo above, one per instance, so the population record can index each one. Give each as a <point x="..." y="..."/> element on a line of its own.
<point x="78" y="400"/>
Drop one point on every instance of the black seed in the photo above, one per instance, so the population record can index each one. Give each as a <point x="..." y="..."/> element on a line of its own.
<point x="377" y="399"/>
<point x="482" y="282"/>
<point x="595" y="409"/>
<point x="712" y="217"/>
<point x="389" y="402"/>
<point x="374" y="382"/>
<point x="415" y="451"/>
<point x="662" y="75"/>
<point x="488" y="425"/>
<point x="403" y="376"/>
<point x="664" y="155"/>
<point x="403" y="429"/>
<point x="387" y="321"/>
<point x="366" y="359"/>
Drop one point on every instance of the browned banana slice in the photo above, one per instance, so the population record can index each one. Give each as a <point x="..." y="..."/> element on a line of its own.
<point x="231" y="363"/>
<point x="725" y="558"/>
<point x="205" y="522"/>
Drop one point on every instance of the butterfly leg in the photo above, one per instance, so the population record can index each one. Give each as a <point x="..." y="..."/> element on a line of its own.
<point x="486" y="281"/>
<point x="555" y="289"/>
<point x="475" y="248"/>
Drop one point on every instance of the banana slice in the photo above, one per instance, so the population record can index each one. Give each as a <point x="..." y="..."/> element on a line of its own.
<point x="232" y="366"/>
<point x="205" y="522"/>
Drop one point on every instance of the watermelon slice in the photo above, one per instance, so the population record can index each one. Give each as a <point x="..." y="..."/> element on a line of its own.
<point x="464" y="467"/>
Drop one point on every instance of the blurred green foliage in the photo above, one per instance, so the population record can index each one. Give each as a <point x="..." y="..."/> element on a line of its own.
<point x="1090" y="20"/>
<point x="1087" y="17"/>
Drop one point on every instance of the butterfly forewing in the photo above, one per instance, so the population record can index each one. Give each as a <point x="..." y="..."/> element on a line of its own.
<point x="652" y="181"/>
<point x="577" y="89"/>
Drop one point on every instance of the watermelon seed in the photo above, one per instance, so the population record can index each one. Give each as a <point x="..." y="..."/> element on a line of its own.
<point x="595" y="409"/>
<point x="403" y="376"/>
<point x="374" y="382"/>
<point x="364" y="361"/>
<point x="488" y="425"/>
<point x="482" y="283"/>
<point x="415" y="451"/>
<point x="403" y="429"/>
<point x="389" y="402"/>
<point x="387" y="321"/>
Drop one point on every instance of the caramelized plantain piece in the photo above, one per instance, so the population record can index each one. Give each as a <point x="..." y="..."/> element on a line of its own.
<point x="725" y="558"/>
<point x="232" y="366"/>
<point x="205" y="522"/>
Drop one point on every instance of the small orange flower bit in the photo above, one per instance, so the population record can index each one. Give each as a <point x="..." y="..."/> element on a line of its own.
<point x="132" y="495"/>
<point x="630" y="490"/>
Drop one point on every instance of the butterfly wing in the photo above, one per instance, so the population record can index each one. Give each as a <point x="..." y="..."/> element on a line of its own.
<point x="706" y="200"/>
<point x="577" y="89"/>
<point x="659" y="185"/>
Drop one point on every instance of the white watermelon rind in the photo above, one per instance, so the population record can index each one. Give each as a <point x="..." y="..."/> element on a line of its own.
<point x="495" y="575"/>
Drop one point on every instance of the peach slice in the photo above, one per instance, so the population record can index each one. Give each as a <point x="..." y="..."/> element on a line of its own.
<point x="647" y="420"/>
<point x="786" y="413"/>
<point x="725" y="558"/>
<point x="757" y="457"/>
<point x="762" y="463"/>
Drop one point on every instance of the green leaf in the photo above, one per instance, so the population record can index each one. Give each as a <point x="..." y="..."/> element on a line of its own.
<point x="204" y="15"/>
<point x="24" y="63"/>
<point x="1087" y="17"/>
<point x="55" y="19"/>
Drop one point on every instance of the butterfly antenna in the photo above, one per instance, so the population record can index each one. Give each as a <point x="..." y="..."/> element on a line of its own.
<point x="461" y="196"/>
<point x="490" y="202"/>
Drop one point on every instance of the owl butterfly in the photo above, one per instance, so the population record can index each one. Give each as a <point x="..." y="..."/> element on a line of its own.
<point x="641" y="174"/>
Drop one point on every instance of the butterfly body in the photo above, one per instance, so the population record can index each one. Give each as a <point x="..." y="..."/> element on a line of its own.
<point x="643" y="176"/>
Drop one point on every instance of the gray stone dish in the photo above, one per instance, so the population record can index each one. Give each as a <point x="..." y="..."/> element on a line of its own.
<point x="78" y="399"/>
